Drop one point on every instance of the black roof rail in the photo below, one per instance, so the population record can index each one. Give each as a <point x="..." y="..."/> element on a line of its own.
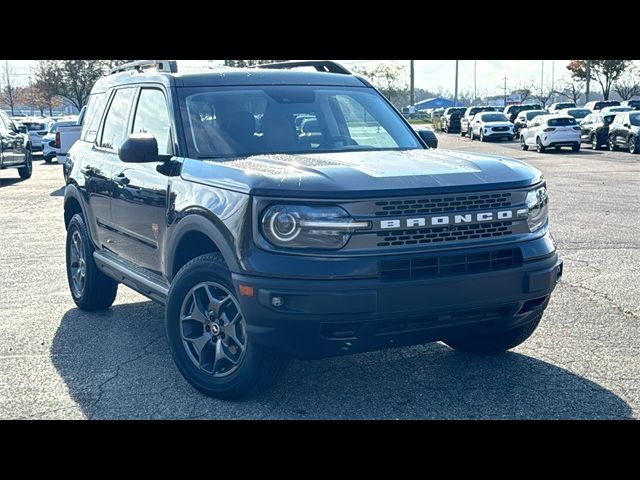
<point x="169" y="66"/>
<point x="319" y="65"/>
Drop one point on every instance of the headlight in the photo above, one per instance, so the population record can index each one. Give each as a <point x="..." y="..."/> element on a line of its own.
<point x="301" y="226"/>
<point x="538" y="208"/>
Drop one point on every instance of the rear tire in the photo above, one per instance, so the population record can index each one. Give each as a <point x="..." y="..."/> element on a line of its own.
<point x="226" y="364"/>
<point x="461" y="131"/>
<point x="575" y="148"/>
<point x="612" y="145"/>
<point x="594" y="143"/>
<point x="495" y="342"/>
<point x="90" y="288"/>
<point x="523" y="144"/>
<point x="539" y="147"/>
<point x="26" y="171"/>
<point x="633" y="146"/>
<point x="48" y="158"/>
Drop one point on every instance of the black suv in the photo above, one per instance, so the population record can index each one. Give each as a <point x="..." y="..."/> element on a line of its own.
<point x="512" y="111"/>
<point x="265" y="241"/>
<point x="451" y="119"/>
<point x="15" y="147"/>
<point x="595" y="129"/>
<point x="635" y="104"/>
<point x="624" y="131"/>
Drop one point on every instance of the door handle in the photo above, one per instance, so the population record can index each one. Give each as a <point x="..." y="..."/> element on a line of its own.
<point x="121" y="179"/>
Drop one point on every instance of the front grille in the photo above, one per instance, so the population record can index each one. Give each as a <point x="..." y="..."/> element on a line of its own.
<point x="392" y="327"/>
<point x="457" y="203"/>
<point x="397" y="238"/>
<point x="434" y="266"/>
<point x="500" y="129"/>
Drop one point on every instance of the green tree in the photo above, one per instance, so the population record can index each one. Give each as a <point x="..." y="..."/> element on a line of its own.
<point x="75" y="78"/>
<point x="390" y="79"/>
<point x="605" y="72"/>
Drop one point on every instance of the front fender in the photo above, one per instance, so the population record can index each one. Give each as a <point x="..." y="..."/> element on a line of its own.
<point x="198" y="221"/>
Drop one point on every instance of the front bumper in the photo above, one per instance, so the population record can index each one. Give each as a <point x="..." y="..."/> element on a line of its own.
<point x="321" y="318"/>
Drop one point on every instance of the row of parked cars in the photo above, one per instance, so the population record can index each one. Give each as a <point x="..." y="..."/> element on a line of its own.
<point x="599" y="123"/>
<point x="42" y="132"/>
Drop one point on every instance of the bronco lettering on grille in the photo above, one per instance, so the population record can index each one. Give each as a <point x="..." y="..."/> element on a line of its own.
<point x="453" y="219"/>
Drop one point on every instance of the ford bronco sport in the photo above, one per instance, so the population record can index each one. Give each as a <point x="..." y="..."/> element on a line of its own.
<point x="281" y="213"/>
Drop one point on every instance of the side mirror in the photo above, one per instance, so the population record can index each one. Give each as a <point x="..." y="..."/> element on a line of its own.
<point x="626" y="125"/>
<point x="429" y="138"/>
<point x="139" y="148"/>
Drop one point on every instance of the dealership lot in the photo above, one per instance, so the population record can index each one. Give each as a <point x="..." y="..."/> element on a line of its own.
<point x="583" y="361"/>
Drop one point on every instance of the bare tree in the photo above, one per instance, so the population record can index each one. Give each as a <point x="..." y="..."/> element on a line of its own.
<point x="571" y="90"/>
<point x="9" y="93"/>
<point x="628" y="85"/>
<point x="543" y="94"/>
<point x="248" y="63"/>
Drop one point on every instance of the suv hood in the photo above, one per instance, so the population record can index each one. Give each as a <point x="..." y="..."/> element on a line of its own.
<point x="362" y="174"/>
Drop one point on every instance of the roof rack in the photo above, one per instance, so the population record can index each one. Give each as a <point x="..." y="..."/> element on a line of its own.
<point x="169" y="66"/>
<point x="319" y="65"/>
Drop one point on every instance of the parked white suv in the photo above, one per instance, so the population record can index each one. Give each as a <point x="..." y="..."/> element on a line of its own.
<point x="487" y="125"/>
<point x="548" y="131"/>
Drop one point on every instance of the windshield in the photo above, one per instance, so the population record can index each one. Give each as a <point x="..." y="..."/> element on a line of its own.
<point x="607" y="119"/>
<point x="579" y="112"/>
<point x="561" y="122"/>
<point x="533" y="114"/>
<point x="33" y="126"/>
<point x="456" y="111"/>
<point x="240" y="121"/>
<point x="635" y="119"/>
<point x="494" y="117"/>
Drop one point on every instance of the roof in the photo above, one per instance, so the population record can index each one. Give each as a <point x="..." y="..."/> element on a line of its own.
<point x="229" y="77"/>
<point x="436" y="102"/>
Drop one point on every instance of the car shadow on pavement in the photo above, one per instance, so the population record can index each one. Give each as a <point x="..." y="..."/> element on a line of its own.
<point x="57" y="193"/>
<point x="116" y="364"/>
<point x="5" y="182"/>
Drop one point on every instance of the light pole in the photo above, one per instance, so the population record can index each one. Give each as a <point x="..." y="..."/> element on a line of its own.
<point x="412" y="99"/>
<point x="505" y="91"/>
<point x="455" y="98"/>
<point x="475" y="84"/>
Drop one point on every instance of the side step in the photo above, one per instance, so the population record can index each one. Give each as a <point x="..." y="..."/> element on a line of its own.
<point x="148" y="284"/>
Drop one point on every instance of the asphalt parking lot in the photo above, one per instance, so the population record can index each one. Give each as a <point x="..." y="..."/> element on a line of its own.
<point x="582" y="363"/>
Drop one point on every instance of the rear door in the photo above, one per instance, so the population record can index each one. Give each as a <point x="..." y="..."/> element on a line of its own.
<point x="586" y="126"/>
<point x="100" y="160"/>
<point x="139" y="204"/>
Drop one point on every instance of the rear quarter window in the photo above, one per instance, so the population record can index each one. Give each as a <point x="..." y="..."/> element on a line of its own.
<point x="95" y="110"/>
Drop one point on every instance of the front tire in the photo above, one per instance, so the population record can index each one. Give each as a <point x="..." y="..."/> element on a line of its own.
<point x="90" y="288"/>
<point x="26" y="171"/>
<point x="612" y="145"/>
<point x="207" y="334"/>
<point x="633" y="145"/>
<point x="482" y="138"/>
<point x="495" y="342"/>
<point x="594" y="143"/>
<point x="523" y="144"/>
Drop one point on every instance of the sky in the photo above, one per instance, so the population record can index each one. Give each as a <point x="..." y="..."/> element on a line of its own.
<point x="432" y="74"/>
